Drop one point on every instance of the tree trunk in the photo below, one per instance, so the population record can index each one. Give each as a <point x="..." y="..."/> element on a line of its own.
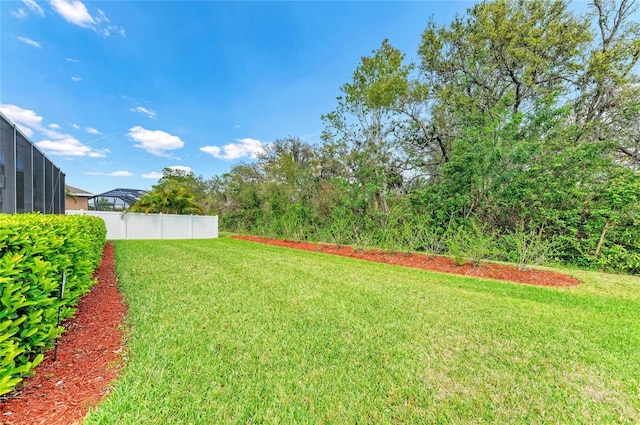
<point x="601" y="240"/>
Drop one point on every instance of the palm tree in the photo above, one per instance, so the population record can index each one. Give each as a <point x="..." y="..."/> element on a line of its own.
<point x="168" y="200"/>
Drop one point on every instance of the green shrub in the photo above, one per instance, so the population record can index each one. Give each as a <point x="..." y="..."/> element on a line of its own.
<point x="526" y="247"/>
<point x="617" y="257"/>
<point x="35" y="252"/>
<point x="420" y="235"/>
<point x="471" y="242"/>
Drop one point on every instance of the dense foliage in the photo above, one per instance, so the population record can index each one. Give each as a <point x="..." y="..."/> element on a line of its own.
<point x="515" y="137"/>
<point x="35" y="252"/>
<point x="175" y="193"/>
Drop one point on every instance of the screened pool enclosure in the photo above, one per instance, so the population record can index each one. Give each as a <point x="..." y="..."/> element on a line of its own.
<point x="115" y="200"/>
<point x="29" y="181"/>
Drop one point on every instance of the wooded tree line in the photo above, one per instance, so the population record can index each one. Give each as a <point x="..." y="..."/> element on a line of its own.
<point x="516" y="136"/>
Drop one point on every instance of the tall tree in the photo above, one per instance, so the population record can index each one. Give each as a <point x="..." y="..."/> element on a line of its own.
<point x="287" y="161"/>
<point x="502" y="53"/>
<point x="360" y="128"/>
<point x="608" y="105"/>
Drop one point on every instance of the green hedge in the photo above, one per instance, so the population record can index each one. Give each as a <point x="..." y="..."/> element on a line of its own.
<point x="35" y="251"/>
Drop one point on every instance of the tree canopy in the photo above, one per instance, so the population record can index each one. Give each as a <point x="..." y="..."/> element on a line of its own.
<point x="175" y="193"/>
<point x="518" y="126"/>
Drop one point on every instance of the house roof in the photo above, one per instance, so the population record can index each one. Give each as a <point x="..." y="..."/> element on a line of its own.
<point x="77" y="192"/>
<point x="130" y="196"/>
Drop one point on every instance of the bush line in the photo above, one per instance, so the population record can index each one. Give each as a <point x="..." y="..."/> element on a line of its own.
<point x="35" y="251"/>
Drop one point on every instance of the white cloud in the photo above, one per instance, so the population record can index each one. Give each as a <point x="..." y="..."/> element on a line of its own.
<point x="152" y="175"/>
<point x="24" y="118"/>
<point x="121" y="174"/>
<point x="76" y="79"/>
<point x="76" y="126"/>
<point x="112" y="174"/>
<point x="246" y="147"/>
<point x="19" y="13"/>
<point x="237" y="126"/>
<point x="102" y="16"/>
<point x="148" y="112"/>
<point x="34" y="7"/>
<point x="69" y="146"/>
<point x="56" y="143"/>
<point x="91" y="130"/>
<point x="155" y="142"/>
<point x="66" y="145"/>
<point x="29" y="41"/>
<point x="72" y="60"/>
<point x="75" y="12"/>
<point x="211" y="150"/>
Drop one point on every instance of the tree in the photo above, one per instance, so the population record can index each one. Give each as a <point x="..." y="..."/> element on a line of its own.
<point x="360" y="128"/>
<point x="287" y="161"/>
<point x="511" y="54"/>
<point x="608" y="105"/>
<point x="173" y="194"/>
<point x="176" y="177"/>
<point x="238" y="197"/>
<point x="522" y="119"/>
<point x="176" y="200"/>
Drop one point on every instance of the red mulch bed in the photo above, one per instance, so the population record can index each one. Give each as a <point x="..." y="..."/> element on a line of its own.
<point x="436" y="263"/>
<point x="89" y="358"/>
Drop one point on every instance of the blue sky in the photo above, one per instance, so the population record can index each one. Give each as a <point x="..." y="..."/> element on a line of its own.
<point x="113" y="92"/>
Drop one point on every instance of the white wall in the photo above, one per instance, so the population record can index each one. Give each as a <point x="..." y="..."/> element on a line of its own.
<point x="155" y="226"/>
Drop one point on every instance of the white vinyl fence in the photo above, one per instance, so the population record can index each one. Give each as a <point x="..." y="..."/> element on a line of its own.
<point x="155" y="226"/>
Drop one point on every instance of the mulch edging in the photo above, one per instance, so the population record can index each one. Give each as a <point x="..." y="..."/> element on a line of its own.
<point x="428" y="262"/>
<point x="89" y="359"/>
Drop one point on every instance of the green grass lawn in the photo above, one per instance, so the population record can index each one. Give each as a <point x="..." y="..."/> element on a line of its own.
<point x="228" y="331"/>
